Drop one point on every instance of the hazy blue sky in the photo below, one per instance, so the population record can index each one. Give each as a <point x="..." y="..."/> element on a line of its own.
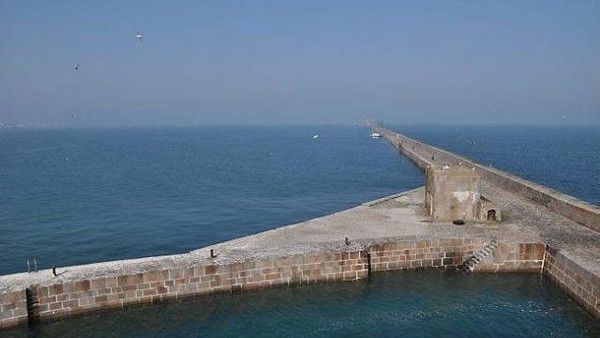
<point x="259" y="62"/>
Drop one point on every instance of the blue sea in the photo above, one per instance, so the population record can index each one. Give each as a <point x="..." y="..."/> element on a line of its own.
<point x="76" y="196"/>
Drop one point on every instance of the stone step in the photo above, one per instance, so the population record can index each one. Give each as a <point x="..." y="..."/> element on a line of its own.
<point x="479" y="256"/>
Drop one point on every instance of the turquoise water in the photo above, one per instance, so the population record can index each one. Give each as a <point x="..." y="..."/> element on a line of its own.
<point x="427" y="303"/>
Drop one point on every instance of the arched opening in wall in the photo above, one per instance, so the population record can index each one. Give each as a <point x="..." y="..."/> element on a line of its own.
<point x="491" y="215"/>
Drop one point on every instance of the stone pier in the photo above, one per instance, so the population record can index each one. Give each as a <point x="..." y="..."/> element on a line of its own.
<point x="541" y="232"/>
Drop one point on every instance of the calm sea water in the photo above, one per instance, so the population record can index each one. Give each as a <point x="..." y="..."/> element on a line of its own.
<point x="80" y="196"/>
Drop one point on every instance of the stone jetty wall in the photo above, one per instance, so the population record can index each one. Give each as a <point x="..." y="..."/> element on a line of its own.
<point x="423" y="154"/>
<point x="579" y="282"/>
<point x="61" y="299"/>
<point x="53" y="298"/>
<point x="13" y="308"/>
<point x="449" y="253"/>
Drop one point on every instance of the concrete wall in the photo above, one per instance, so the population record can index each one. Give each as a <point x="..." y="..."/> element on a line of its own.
<point x="579" y="211"/>
<point x="57" y="300"/>
<point x="578" y="282"/>
<point x="452" y="193"/>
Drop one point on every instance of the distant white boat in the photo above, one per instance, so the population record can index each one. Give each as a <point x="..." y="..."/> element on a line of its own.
<point x="315" y="136"/>
<point x="375" y="135"/>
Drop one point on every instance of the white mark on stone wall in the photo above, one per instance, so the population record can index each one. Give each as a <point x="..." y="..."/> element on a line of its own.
<point x="461" y="196"/>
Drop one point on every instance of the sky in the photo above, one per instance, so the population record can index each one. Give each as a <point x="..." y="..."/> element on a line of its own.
<point x="227" y="62"/>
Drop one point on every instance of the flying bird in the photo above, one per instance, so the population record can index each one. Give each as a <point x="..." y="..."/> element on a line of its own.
<point x="77" y="66"/>
<point x="139" y="36"/>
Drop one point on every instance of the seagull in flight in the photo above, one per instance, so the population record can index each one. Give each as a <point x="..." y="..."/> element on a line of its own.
<point x="77" y="66"/>
<point x="139" y="36"/>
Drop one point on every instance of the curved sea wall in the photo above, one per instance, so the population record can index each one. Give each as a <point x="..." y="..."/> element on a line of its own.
<point x="577" y="210"/>
<point x="41" y="296"/>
